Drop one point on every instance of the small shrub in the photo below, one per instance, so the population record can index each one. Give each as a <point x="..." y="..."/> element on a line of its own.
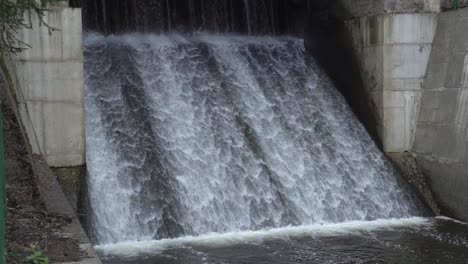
<point x="37" y="258"/>
<point x="12" y="254"/>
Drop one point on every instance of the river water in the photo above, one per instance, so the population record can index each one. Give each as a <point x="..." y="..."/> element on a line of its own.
<point x="414" y="240"/>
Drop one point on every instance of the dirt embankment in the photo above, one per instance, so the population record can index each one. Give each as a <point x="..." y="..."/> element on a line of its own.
<point x="28" y="224"/>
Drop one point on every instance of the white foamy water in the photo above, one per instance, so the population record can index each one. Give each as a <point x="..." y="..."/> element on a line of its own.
<point x="192" y="135"/>
<point x="138" y="248"/>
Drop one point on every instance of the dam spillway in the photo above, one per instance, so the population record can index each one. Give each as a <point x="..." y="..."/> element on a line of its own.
<point x="193" y="134"/>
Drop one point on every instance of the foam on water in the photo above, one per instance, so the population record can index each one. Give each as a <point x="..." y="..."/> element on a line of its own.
<point x="137" y="248"/>
<point x="188" y="135"/>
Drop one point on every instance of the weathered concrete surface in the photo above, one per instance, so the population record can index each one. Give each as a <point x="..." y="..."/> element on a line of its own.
<point x="449" y="4"/>
<point x="394" y="50"/>
<point x="360" y="8"/>
<point x="441" y="139"/>
<point x="49" y="87"/>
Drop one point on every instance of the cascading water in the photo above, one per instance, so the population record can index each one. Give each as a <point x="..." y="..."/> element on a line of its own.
<point x="188" y="135"/>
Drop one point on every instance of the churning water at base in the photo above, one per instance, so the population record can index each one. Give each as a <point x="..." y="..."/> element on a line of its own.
<point x="188" y="135"/>
<point x="412" y="240"/>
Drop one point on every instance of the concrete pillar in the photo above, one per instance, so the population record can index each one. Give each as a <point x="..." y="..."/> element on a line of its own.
<point x="393" y="40"/>
<point x="407" y="40"/>
<point x="49" y="85"/>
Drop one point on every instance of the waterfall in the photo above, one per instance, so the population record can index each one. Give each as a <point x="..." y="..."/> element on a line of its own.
<point x="188" y="135"/>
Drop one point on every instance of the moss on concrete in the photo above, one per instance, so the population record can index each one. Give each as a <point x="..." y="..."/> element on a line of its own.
<point x="70" y="181"/>
<point x="374" y="31"/>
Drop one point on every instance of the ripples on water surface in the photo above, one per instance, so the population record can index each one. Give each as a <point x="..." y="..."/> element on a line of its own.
<point x="414" y="240"/>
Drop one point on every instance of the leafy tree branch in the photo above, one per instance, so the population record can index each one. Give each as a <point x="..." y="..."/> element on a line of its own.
<point x="16" y="15"/>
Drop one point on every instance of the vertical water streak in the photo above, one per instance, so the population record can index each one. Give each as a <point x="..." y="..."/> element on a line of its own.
<point x="169" y="16"/>
<point x="158" y="16"/>
<point x="104" y="15"/>
<point x="192" y="15"/>
<point x="248" y="17"/>
<point x="273" y="19"/>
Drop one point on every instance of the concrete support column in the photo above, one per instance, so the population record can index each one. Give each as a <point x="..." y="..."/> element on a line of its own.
<point x="394" y="49"/>
<point x="406" y="48"/>
<point x="49" y="83"/>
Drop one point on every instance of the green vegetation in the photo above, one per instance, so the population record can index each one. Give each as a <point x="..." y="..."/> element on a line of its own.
<point x="16" y="15"/>
<point x="37" y="258"/>
<point x="12" y="254"/>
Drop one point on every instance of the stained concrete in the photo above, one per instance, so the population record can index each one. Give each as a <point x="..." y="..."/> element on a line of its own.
<point x="394" y="51"/>
<point x="49" y="86"/>
<point x="441" y="138"/>
<point x="361" y="8"/>
<point x="446" y="5"/>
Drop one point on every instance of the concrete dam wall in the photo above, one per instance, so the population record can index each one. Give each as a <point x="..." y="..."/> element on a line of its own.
<point x="441" y="137"/>
<point x="412" y="60"/>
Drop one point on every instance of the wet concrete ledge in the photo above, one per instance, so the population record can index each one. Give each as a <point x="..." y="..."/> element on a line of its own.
<point x="56" y="202"/>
